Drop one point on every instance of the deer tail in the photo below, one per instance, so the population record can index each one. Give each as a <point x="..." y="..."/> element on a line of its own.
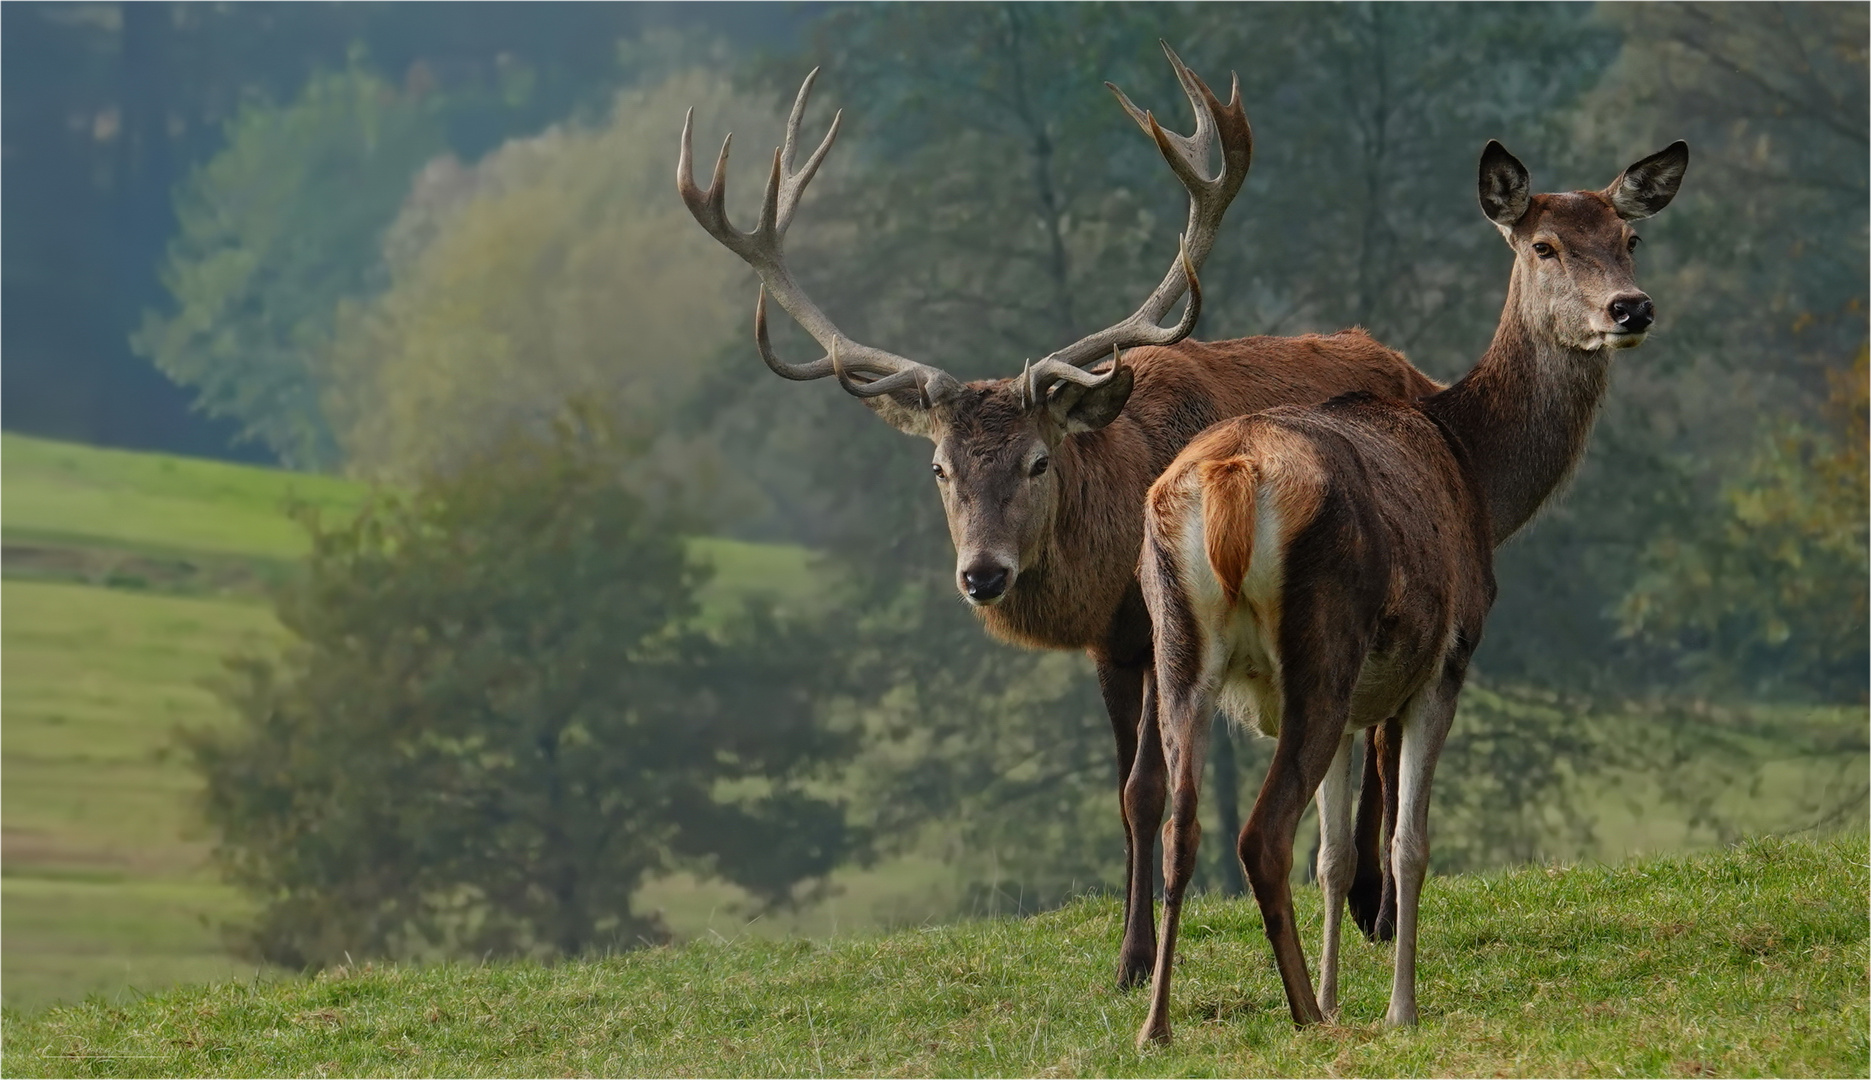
<point x="1228" y="520"/>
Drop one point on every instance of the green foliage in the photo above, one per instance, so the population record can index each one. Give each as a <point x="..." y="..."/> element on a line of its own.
<point x="275" y="230"/>
<point x="494" y="725"/>
<point x="559" y="266"/>
<point x="1770" y="595"/>
<point x="1749" y="961"/>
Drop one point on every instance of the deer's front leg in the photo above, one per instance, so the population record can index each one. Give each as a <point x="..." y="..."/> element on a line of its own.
<point x="1368" y="890"/>
<point x="1130" y="699"/>
<point x="1425" y="726"/>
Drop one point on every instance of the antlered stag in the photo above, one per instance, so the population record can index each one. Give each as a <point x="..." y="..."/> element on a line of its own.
<point x="1043" y="475"/>
<point x="1317" y="571"/>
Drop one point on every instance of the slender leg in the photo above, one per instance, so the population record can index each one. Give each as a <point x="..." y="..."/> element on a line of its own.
<point x="1367" y="885"/>
<point x="1130" y="699"/>
<point x="1338" y="861"/>
<point x="1387" y="742"/>
<point x="1186" y="728"/>
<point x="1425" y="726"/>
<point x="1300" y="761"/>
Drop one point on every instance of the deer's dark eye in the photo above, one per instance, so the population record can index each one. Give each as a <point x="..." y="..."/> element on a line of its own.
<point x="1039" y="467"/>
<point x="940" y="472"/>
<point x="1544" y="251"/>
<point x="1631" y="244"/>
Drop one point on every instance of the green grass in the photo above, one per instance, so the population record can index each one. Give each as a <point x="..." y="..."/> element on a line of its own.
<point x="143" y="520"/>
<point x="106" y="889"/>
<point x="105" y="886"/>
<point x="58" y="494"/>
<point x="1746" y="961"/>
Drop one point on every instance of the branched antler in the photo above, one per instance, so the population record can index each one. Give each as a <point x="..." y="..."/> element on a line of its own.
<point x="870" y="372"/>
<point x="763" y="249"/>
<point x="1209" y="197"/>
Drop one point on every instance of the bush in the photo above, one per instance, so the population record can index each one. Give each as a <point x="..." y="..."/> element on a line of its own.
<point x="499" y="717"/>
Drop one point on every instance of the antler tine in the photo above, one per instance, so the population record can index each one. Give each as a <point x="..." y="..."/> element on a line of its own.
<point x="762" y="250"/>
<point x="1187" y="156"/>
<point x="1039" y="378"/>
<point x="705" y="205"/>
<point x="1191" y="151"/>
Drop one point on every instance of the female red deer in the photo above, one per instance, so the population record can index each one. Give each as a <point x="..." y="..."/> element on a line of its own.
<point x="1043" y="475"/>
<point x="1317" y="571"/>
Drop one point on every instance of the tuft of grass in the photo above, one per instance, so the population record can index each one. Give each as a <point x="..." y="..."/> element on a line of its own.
<point x="1747" y="961"/>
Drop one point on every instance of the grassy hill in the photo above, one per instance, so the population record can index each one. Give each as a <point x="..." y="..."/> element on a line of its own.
<point x="1747" y="961"/>
<point x="128" y="577"/>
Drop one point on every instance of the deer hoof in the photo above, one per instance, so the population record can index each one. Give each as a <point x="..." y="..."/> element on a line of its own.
<point x="1155" y="1033"/>
<point x="1134" y="971"/>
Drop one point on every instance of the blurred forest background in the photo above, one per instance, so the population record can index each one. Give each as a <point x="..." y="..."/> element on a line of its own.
<point x="434" y="250"/>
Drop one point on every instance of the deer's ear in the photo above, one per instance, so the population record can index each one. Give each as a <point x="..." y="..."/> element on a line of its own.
<point x="1077" y="409"/>
<point x="1648" y="186"/>
<point x="1506" y="189"/>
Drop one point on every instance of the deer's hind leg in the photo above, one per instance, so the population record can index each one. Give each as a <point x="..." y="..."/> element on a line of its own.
<point x="1186" y="724"/>
<point x="1338" y="863"/>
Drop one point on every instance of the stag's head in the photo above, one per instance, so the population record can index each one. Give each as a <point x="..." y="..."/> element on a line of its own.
<point x="1573" y="275"/>
<point x="994" y="440"/>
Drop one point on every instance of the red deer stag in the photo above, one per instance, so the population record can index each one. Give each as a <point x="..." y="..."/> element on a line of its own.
<point x="1320" y="570"/>
<point x="1043" y="475"/>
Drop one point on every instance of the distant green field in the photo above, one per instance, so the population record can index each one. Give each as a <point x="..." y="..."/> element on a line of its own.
<point x="1745" y="962"/>
<point x="139" y="520"/>
<point x="104" y="881"/>
<point x="57" y="492"/>
<point x="129" y="577"/>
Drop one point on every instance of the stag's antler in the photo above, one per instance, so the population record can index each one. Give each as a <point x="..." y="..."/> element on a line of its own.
<point x="882" y="372"/>
<point x="1208" y="201"/>
<point x="869" y="372"/>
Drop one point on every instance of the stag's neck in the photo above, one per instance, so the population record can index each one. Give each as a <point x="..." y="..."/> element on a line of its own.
<point x="1524" y="413"/>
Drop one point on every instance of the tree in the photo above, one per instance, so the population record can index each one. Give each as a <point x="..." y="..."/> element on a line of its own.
<point x="561" y="265"/>
<point x="274" y="231"/>
<point x="1768" y="594"/>
<point x="499" y="716"/>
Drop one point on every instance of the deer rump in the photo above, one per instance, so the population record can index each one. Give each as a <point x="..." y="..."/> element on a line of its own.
<point x="1308" y="533"/>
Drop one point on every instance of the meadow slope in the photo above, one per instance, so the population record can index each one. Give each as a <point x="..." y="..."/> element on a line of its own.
<point x="1746" y="961"/>
<point x="129" y="577"/>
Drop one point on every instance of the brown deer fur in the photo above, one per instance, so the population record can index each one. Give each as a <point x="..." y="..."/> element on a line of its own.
<point x="1077" y="529"/>
<point x="1357" y="541"/>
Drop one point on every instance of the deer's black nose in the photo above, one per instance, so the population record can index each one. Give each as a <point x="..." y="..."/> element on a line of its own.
<point x="1633" y="313"/>
<point x="984" y="581"/>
